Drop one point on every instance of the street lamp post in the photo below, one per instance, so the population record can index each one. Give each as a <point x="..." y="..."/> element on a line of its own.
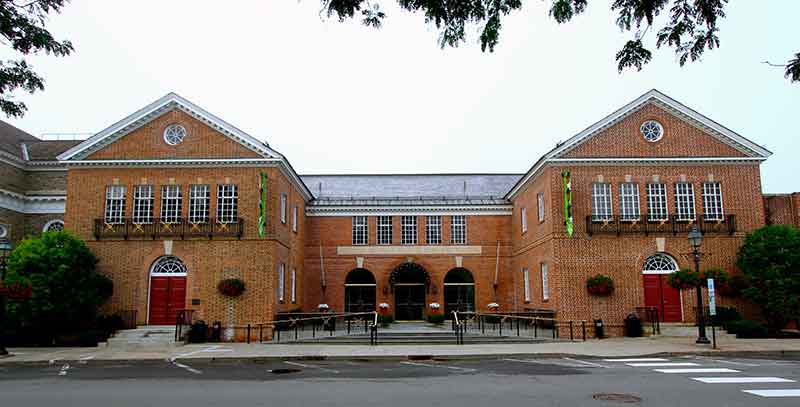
<point x="5" y="248"/>
<point x="695" y="240"/>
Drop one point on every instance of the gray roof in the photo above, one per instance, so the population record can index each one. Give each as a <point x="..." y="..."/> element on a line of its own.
<point x="410" y="186"/>
<point x="11" y="138"/>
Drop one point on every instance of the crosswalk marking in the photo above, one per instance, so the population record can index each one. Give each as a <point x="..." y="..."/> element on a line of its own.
<point x="663" y="364"/>
<point x="775" y="393"/>
<point x="634" y="360"/>
<point x="715" y="380"/>
<point x="698" y="370"/>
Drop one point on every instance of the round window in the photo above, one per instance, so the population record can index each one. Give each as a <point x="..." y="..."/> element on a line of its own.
<point x="652" y="131"/>
<point x="174" y="134"/>
<point x="54" y="226"/>
<point x="3" y="231"/>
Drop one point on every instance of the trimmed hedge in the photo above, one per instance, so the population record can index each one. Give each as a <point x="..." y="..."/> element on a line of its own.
<point x="747" y="329"/>
<point x="726" y="315"/>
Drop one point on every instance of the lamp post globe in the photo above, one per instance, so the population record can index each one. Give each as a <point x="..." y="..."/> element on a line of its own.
<point x="695" y="240"/>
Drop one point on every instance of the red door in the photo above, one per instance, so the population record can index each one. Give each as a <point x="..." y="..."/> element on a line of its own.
<point x="167" y="296"/>
<point x="657" y="293"/>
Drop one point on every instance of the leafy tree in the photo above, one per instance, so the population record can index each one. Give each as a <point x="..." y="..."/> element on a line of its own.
<point x="691" y="27"/>
<point x="770" y="260"/>
<point x="22" y="25"/>
<point x="67" y="290"/>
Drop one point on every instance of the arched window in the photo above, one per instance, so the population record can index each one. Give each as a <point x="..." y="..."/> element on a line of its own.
<point x="459" y="291"/>
<point x="53" y="226"/>
<point x="169" y="266"/>
<point x="660" y="263"/>
<point x="359" y="291"/>
<point x="459" y="275"/>
<point x="360" y="276"/>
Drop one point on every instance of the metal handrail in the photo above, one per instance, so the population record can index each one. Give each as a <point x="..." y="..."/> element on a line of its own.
<point x="459" y="327"/>
<point x="536" y="322"/>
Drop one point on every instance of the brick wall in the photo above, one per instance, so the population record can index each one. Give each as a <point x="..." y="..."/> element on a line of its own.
<point x="782" y="209"/>
<point x="46" y="181"/>
<point x="12" y="178"/>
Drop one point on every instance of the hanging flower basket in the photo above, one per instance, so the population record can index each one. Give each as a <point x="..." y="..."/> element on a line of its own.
<point x="17" y="291"/>
<point x="231" y="287"/>
<point x="684" y="279"/>
<point x="383" y="308"/>
<point x="323" y="307"/>
<point x="434" y="306"/>
<point x="600" y="285"/>
<point x="493" y="306"/>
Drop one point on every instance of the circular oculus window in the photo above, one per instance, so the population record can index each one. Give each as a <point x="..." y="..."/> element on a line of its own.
<point x="3" y="231"/>
<point x="652" y="131"/>
<point x="54" y="226"/>
<point x="174" y="134"/>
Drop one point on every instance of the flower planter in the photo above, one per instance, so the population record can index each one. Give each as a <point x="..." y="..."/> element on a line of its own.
<point x="600" y="285"/>
<point x="231" y="287"/>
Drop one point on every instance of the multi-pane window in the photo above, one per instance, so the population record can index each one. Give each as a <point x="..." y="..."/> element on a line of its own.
<point x="601" y="202"/>
<point x="684" y="201"/>
<point x="629" y="201"/>
<point x="171" y="203"/>
<point x="360" y="230"/>
<point x="293" y="293"/>
<point x="283" y="208"/>
<point x="384" y="230"/>
<point x="712" y="201"/>
<point x="199" y="202"/>
<point x="527" y="287"/>
<point x="408" y="230"/>
<point x="227" y="203"/>
<point x="540" y="205"/>
<point x="143" y="198"/>
<point x="458" y="229"/>
<point x="543" y="269"/>
<point x="657" y="202"/>
<point x="433" y="229"/>
<point x="115" y="204"/>
<point x="524" y="215"/>
<point x="294" y="218"/>
<point x="281" y="281"/>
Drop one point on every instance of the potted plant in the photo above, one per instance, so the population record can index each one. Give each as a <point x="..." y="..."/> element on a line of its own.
<point x="384" y="316"/>
<point x="600" y="285"/>
<point x="435" y="315"/>
<point x="684" y="279"/>
<point x="231" y="287"/>
<point x="323" y="307"/>
<point x="493" y="307"/>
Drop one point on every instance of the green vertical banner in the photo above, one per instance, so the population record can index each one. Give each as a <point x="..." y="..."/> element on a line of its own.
<point x="568" y="221"/>
<point x="262" y="204"/>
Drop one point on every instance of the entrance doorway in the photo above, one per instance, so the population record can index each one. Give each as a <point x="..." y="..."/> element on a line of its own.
<point x="410" y="282"/>
<point x="459" y="291"/>
<point x="167" y="290"/>
<point x="359" y="291"/>
<point x="659" y="294"/>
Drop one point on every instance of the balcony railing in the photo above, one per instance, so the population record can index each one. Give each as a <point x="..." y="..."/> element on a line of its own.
<point x="673" y="224"/>
<point x="176" y="229"/>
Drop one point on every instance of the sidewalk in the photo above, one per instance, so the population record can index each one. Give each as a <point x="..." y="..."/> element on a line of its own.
<point x="614" y="347"/>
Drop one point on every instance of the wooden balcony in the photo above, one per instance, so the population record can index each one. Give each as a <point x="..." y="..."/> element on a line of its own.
<point x="671" y="225"/>
<point x="175" y="229"/>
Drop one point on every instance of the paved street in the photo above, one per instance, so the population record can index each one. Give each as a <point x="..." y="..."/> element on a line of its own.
<point x="564" y="381"/>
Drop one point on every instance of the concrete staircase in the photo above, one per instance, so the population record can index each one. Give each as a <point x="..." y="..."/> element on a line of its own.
<point x="144" y="338"/>
<point x="688" y="330"/>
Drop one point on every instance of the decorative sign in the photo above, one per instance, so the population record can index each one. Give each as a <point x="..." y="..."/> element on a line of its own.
<point x="712" y="300"/>
<point x="568" y="221"/>
<point x="262" y="204"/>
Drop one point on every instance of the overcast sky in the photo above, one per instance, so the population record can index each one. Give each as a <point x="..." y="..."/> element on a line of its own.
<point x="342" y="98"/>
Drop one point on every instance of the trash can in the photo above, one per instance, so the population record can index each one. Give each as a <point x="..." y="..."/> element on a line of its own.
<point x="633" y="326"/>
<point x="216" y="332"/>
<point x="599" y="329"/>
<point x="198" y="332"/>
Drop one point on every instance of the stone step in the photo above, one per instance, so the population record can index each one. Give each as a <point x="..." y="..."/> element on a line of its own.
<point x="144" y="338"/>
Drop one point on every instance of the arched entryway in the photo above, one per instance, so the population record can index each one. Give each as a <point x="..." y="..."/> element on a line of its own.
<point x="167" y="290"/>
<point x="659" y="294"/>
<point x="409" y="282"/>
<point x="459" y="291"/>
<point x="359" y="291"/>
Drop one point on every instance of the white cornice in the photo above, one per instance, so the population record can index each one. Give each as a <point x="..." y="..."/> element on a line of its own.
<point x="32" y="204"/>
<point x="493" y="210"/>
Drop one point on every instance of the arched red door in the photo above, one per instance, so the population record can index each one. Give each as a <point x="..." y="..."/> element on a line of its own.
<point x="659" y="294"/>
<point x="167" y="290"/>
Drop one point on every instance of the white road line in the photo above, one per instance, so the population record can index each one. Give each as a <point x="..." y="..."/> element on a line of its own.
<point x="548" y="362"/>
<point x="733" y="363"/>
<point x="85" y="359"/>
<point x="775" y="393"/>
<point x="309" y="366"/>
<point x="700" y="370"/>
<point x="462" y="369"/>
<point x="64" y="369"/>
<point x="633" y="360"/>
<point x="663" y="364"/>
<point x="721" y="380"/>
<point x="182" y="366"/>
<point x="588" y="363"/>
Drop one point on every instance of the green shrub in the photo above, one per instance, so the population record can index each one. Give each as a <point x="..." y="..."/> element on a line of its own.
<point x="600" y="285"/>
<point x="746" y="328"/>
<point x="436" y="318"/>
<point x="385" y="319"/>
<point x="733" y="287"/>
<point x="684" y="279"/>
<point x="726" y="315"/>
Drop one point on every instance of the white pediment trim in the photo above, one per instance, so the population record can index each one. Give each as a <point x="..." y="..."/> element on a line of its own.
<point x="445" y="210"/>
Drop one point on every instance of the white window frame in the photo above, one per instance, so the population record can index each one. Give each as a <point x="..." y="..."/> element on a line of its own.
<point x="294" y="219"/>
<point x="143" y="202"/>
<point x="283" y="208"/>
<point x="52" y="223"/>
<point x="458" y="229"/>
<point x="684" y="202"/>
<point x="629" y="201"/>
<point x="227" y="203"/>
<point x="544" y="273"/>
<point x="657" y="207"/>
<point x="602" y="202"/>
<point x="540" y="205"/>
<point x="712" y="202"/>
<point x="524" y="218"/>
<point x="433" y="229"/>
<point x="281" y="282"/>
<point x="408" y="230"/>
<point x="171" y="203"/>
<point x="360" y="231"/>
<point x="293" y="293"/>
<point x="526" y="280"/>
<point x="199" y="203"/>
<point x="385" y="232"/>
<point x="115" y="205"/>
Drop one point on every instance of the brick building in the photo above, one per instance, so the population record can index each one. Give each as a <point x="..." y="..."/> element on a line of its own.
<point x="173" y="199"/>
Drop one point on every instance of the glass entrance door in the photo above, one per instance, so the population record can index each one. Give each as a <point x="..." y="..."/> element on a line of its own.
<point x="409" y="300"/>
<point x="459" y="297"/>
